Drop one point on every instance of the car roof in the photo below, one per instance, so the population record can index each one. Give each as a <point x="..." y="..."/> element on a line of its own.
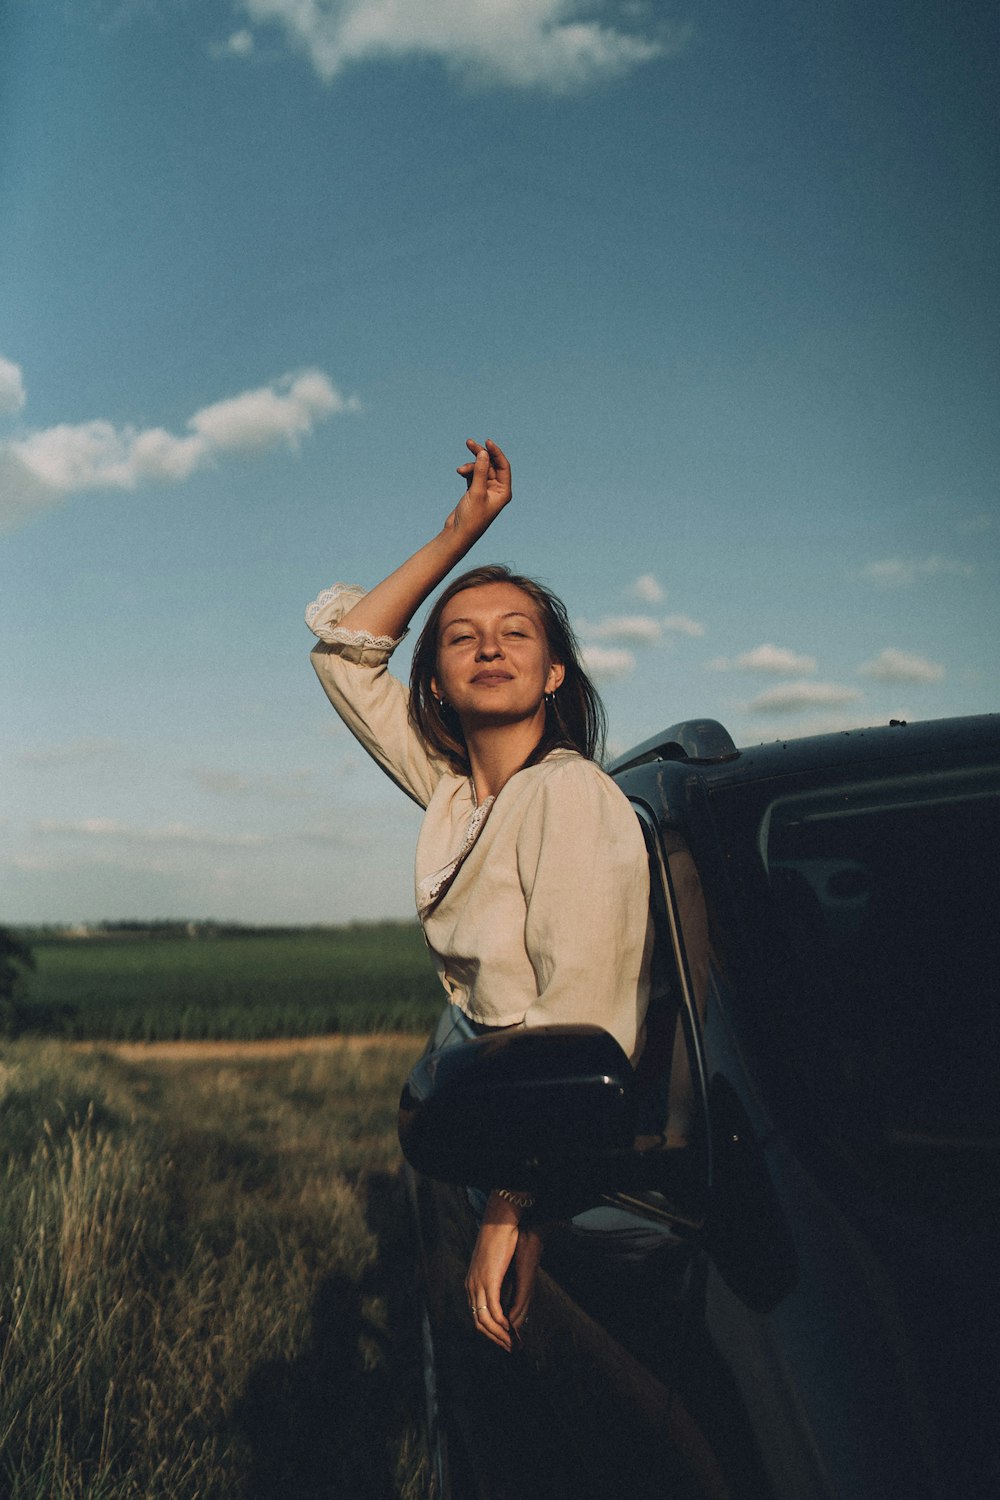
<point x="704" y="745"/>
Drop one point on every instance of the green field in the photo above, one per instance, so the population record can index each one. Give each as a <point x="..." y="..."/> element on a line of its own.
<point x="231" y="983"/>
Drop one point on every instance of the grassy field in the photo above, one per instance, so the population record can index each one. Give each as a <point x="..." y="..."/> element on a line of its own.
<point x="204" y="1276"/>
<point x="240" y="984"/>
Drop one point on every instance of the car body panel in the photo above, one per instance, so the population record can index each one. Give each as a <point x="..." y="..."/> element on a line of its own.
<point x="785" y="1299"/>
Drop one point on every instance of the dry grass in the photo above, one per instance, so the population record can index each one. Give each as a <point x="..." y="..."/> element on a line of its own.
<point x="203" y="1276"/>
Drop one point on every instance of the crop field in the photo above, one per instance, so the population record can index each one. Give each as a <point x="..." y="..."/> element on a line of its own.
<point x="239" y="984"/>
<point x="205" y="1273"/>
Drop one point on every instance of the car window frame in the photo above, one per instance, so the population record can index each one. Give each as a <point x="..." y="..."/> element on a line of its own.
<point x="649" y="1200"/>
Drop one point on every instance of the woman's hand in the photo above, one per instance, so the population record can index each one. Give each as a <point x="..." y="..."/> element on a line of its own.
<point x="501" y="1242"/>
<point x="488" y="489"/>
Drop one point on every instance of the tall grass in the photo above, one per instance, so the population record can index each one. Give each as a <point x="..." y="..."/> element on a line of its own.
<point x="203" y="1278"/>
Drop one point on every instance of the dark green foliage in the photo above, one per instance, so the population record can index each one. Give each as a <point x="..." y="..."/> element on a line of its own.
<point x="19" y="1012"/>
<point x="177" y="981"/>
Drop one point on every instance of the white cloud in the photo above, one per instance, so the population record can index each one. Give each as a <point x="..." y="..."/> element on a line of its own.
<point x="808" y="723"/>
<point x="222" y="783"/>
<point x="95" y="455"/>
<point x="901" y="666"/>
<point x="556" y="45"/>
<point x="630" y="630"/>
<point x="607" y="663"/>
<point x="172" y="834"/>
<point x="37" y="470"/>
<point x="775" y="660"/>
<point x="976" y="525"/>
<point x="69" y="755"/>
<point x="790" y="697"/>
<point x="293" y="786"/>
<point x="901" y="572"/>
<point x="683" y="625"/>
<point x="12" y="396"/>
<point x="647" y="589"/>
<point x="241" y="43"/>
<point x="22" y="493"/>
<point x="272" y="414"/>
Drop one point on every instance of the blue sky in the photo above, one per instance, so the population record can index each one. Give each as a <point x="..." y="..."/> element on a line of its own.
<point x="722" y="279"/>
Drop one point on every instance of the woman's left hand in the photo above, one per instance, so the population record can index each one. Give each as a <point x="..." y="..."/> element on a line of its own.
<point x="500" y="1242"/>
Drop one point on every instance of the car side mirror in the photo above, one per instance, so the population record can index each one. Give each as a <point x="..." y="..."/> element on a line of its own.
<point x="523" y="1108"/>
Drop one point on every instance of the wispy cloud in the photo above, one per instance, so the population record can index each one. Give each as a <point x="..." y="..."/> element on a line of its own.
<point x="555" y="45"/>
<point x="901" y="572"/>
<point x="12" y="396"/>
<point x="240" y="44"/>
<point x="777" y="661"/>
<point x="222" y="783"/>
<point x="683" y="625"/>
<point x="608" y="663"/>
<point x="38" y="470"/>
<point x="291" y="787"/>
<point x="901" y="666"/>
<point x="977" y="525"/>
<point x="105" y="829"/>
<point x="647" y="589"/>
<point x="622" y="630"/>
<point x="791" y="697"/>
<point x="49" y="756"/>
<point x="784" y="728"/>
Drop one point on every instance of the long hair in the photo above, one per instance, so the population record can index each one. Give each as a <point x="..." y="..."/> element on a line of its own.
<point x="574" y="714"/>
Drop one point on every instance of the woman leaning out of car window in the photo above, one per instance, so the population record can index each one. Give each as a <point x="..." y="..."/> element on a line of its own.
<point x="531" y="875"/>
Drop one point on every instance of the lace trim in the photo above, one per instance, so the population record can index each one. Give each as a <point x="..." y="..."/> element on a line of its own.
<point x="432" y="886"/>
<point x="336" y="635"/>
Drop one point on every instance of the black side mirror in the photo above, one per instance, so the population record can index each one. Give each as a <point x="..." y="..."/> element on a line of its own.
<point x="520" y="1108"/>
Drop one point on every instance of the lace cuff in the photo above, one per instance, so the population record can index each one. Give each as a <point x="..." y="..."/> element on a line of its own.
<point x="324" y="614"/>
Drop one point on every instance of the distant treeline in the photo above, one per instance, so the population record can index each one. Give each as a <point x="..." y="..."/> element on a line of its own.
<point x="182" y="927"/>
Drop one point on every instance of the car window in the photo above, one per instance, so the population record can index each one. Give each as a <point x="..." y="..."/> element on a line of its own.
<point x="872" y="907"/>
<point x="888" y="896"/>
<point x="671" y="1125"/>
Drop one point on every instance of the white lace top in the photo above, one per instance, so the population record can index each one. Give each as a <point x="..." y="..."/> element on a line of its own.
<point x="546" y="917"/>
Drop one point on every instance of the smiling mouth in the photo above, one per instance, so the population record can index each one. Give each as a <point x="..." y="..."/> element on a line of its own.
<point x="488" y="677"/>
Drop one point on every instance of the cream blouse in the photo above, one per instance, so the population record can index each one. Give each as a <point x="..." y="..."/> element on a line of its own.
<point x="546" y="918"/>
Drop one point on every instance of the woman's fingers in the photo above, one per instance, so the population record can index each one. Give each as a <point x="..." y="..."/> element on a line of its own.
<point x="488" y="476"/>
<point x="494" y="1325"/>
<point x="488" y="1316"/>
<point x="492" y="1254"/>
<point x="497" y="457"/>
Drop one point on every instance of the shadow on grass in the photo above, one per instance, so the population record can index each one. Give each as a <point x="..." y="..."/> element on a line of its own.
<point x="340" y="1420"/>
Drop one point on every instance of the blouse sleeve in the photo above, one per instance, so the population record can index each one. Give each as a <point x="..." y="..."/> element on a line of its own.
<point x="584" y="871"/>
<point x="352" y="668"/>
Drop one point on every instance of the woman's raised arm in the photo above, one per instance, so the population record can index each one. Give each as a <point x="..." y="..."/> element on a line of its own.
<point x="386" y="610"/>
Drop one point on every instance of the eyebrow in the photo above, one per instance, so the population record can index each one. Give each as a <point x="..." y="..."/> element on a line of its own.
<point x="510" y="615"/>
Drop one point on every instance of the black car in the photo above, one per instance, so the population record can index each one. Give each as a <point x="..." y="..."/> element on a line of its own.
<point x="773" y="1264"/>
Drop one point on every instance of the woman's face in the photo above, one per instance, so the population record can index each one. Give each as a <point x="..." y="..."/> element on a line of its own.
<point x="493" y="663"/>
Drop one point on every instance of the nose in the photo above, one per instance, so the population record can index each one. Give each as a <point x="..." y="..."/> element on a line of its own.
<point x="489" y="649"/>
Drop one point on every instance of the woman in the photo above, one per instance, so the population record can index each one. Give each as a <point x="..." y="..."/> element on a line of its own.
<point x="531" y="875"/>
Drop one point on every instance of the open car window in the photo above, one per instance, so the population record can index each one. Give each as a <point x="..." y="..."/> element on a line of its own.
<point x="671" y="1128"/>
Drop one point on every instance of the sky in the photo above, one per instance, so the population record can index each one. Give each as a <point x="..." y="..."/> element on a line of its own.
<point x="721" y="279"/>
